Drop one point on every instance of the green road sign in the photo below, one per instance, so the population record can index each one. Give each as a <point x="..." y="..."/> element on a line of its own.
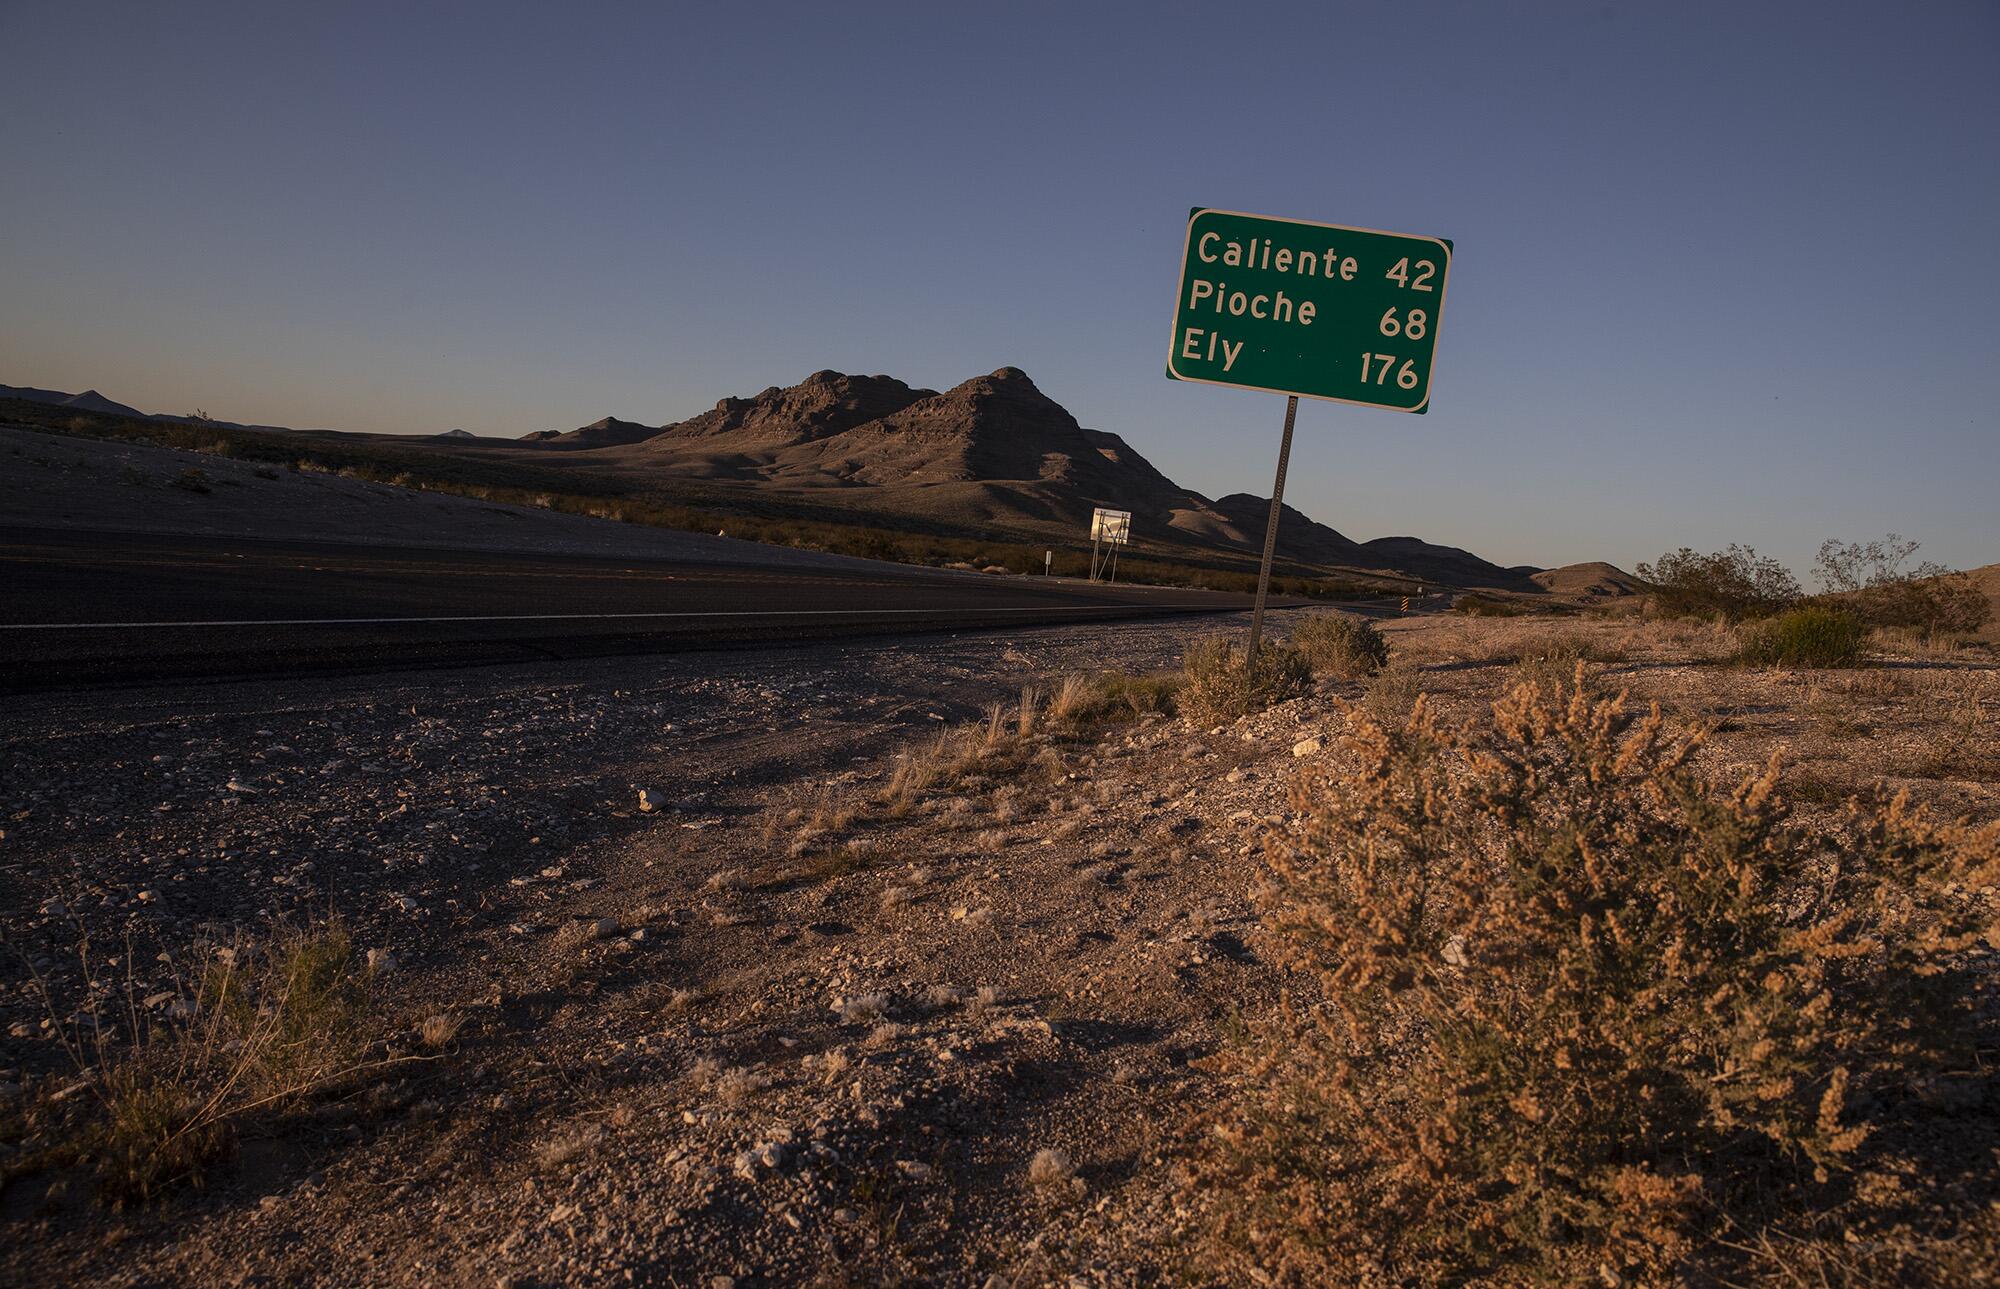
<point x="1318" y="310"/>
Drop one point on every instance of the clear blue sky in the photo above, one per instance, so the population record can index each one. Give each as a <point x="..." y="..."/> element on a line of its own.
<point x="1724" y="272"/>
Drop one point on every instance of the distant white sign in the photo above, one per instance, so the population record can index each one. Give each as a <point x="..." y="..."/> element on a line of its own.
<point x="1113" y="527"/>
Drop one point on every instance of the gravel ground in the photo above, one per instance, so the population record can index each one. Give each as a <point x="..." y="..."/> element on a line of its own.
<point x="486" y="831"/>
<point x="707" y="1038"/>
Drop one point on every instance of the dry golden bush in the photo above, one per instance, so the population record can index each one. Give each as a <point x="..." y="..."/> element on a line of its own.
<point x="1571" y="1014"/>
<point x="1219" y="687"/>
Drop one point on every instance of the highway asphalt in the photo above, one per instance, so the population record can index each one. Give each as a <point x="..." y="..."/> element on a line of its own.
<point x="83" y="609"/>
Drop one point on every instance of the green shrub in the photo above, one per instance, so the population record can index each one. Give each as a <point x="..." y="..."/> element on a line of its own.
<point x="1732" y="584"/>
<point x="1218" y="687"/>
<point x="1341" y="644"/>
<point x="1815" y="636"/>
<point x="1578" y="1016"/>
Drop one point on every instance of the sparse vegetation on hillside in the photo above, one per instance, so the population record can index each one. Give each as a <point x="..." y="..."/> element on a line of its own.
<point x="1580" y="1016"/>
<point x="1876" y="582"/>
<point x="1871" y="582"/>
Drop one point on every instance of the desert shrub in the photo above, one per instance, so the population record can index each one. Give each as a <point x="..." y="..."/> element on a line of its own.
<point x="1876" y="582"/>
<point x="191" y="480"/>
<point x="1814" y="636"/>
<point x="1580" y="1016"/>
<point x="1217" y="686"/>
<point x="1485" y="606"/>
<point x="1731" y="584"/>
<point x="1340" y="644"/>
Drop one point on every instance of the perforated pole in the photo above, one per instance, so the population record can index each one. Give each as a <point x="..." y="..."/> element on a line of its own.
<point x="1271" y="531"/>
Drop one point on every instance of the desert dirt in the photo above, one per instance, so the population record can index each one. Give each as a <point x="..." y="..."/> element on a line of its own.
<point x="764" y="1031"/>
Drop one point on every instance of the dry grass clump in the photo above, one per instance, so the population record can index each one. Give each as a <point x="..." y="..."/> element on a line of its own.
<point x="1219" y="687"/>
<point x="736" y="1085"/>
<point x="863" y="1009"/>
<point x="1341" y="644"/>
<point x="1914" y="643"/>
<point x="436" y="1032"/>
<point x="727" y="880"/>
<point x="1110" y="696"/>
<point x="266" y="1025"/>
<point x="567" y="1147"/>
<point x="1588" y="1018"/>
<point x="956" y="756"/>
<point x="1391" y="693"/>
<point x="1549" y="660"/>
<point x="1050" y="1168"/>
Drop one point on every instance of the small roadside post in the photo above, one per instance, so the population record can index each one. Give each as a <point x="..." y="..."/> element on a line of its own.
<point x="1308" y="310"/>
<point x="1048" y="563"/>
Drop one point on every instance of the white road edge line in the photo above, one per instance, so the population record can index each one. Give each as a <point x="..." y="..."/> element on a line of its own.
<point x="572" y="617"/>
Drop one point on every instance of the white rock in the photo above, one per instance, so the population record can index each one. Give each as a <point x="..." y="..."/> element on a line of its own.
<point x="1305" y="747"/>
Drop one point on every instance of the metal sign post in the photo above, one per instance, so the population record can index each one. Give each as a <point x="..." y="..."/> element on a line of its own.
<point x="1112" y="529"/>
<point x="1308" y="310"/>
<point x="1271" y="530"/>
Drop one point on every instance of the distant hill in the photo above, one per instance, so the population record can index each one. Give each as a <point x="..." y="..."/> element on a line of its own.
<point x="991" y="457"/>
<point x="92" y="401"/>
<point x="607" y="433"/>
<point x="88" y="401"/>
<point x="1594" y="580"/>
